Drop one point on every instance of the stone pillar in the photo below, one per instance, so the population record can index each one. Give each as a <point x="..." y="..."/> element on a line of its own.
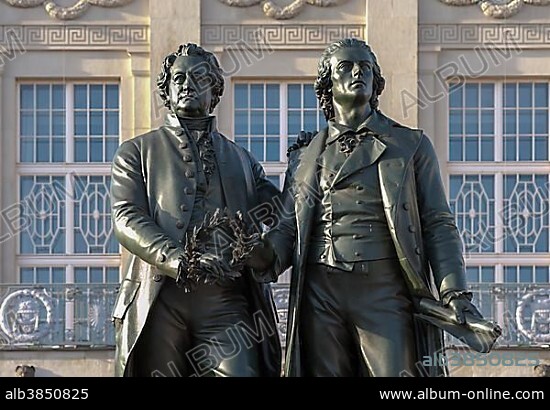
<point x="173" y="22"/>
<point x="142" y="95"/>
<point x="392" y="32"/>
<point x="432" y="107"/>
<point x="3" y="232"/>
<point x="428" y="93"/>
<point x="12" y="217"/>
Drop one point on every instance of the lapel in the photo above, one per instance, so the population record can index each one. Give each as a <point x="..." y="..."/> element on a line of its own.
<point x="364" y="155"/>
<point x="393" y="168"/>
<point x="395" y="173"/>
<point x="391" y="172"/>
<point x="367" y="152"/>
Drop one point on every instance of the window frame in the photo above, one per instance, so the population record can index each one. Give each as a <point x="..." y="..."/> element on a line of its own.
<point x="70" y="260"/>
<point x="498" y="168"/>
<point x="274" y="167"/>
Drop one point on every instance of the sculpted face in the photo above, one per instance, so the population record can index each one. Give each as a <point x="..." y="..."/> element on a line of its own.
<point x="190" y="89"/>
<point x="352" y="76"/>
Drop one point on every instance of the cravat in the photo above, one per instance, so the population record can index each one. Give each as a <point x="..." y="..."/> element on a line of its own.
<point x="206" y="154"/>
<point x="349" y="140"/>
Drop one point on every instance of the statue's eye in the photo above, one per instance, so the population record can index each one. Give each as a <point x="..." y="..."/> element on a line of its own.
<point x="366" y="66"/>
<point x="178" y="78"/>
<point x="199" y="76"/>
<point x="344" y="66"/>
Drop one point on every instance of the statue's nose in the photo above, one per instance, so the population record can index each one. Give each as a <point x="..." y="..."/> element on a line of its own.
<point x="357" y="70"/>
<point x="188" y="84"/>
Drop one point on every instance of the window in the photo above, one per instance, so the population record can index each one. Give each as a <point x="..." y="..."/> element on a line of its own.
<point x="471" y="122"/>
<point x="526" y="274"/>
<point x="257" y="118"/>
<point x="268" y="117"/>
<point x="525" y="122"/>
<point x="68" y="134"/>
<point x="499" y="180"/>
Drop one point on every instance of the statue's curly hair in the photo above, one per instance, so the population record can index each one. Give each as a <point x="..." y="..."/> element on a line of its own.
<point x="323" y="83"/>
<point x="191" y="49"/>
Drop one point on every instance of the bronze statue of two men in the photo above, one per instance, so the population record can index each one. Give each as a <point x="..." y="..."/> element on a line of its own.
<point x="362" y="219"/>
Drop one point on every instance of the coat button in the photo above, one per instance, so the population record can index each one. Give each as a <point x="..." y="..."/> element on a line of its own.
<point x="187" y="158"/>
<point x="417" y="251"/>
<point x="412" y="228"/>
<point x="357" y="236"/>
<point x="179" y="225"/>
<point x="357" y="253"/>
<point x="359" y="187"/>
<point x="162" y="258"/>
<point x="183" y="145"/>
<point x="188" y="191"/>
<point x="359" y="202"/>
<point x="183" y="208"/>
<point x="406" y="206"/>
<point x="189" y="174"/>
<point x="157" y="278"/>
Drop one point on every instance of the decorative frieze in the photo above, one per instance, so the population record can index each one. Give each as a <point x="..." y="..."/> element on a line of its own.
<point x="472" y="35"/>
<point x="76" y="36"/>
<point x="278" y="35"/>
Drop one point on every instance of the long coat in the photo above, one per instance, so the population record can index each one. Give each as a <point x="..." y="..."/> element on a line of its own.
<point x="420" y="221"/>
<point x="152" y="194"/>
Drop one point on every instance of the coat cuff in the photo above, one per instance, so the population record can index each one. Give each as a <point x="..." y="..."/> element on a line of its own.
<point x="169" y="260"/>
<point x="447" y="297"/>
<point x="452" y="282"/>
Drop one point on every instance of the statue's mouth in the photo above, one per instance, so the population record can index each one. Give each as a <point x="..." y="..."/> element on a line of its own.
<point x="187" y="97"/>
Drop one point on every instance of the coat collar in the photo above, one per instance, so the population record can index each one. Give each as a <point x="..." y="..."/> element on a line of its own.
<point x="171" y="120"/>
<point x="375" y="123"/>
<point x="174" y="124"/>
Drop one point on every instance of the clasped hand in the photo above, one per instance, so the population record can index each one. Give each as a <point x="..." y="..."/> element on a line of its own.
<point x="252" y="252"/>
<point x="462" y="305"/>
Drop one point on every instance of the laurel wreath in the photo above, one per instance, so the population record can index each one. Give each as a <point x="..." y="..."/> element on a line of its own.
<point x="192" y="270"/>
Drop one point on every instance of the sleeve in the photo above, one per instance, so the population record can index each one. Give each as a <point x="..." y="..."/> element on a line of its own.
<point x="134" y="227"/>
<point x="282" y="235"/>
<point x="440" y="234"/>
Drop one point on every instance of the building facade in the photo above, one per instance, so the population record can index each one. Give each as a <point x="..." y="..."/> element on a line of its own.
<point x="79" y="77"/>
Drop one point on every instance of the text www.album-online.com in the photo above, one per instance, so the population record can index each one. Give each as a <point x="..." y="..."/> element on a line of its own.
<point x="483" y="394"/>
